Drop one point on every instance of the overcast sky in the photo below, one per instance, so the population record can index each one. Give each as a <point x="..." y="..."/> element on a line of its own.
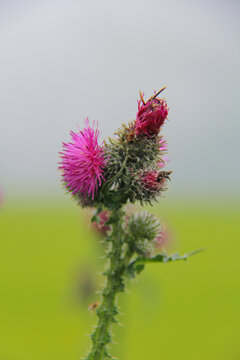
<point x="65" y="60"/>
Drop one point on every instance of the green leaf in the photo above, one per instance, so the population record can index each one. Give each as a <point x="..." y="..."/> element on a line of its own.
<point x="134" y="269"/>
<point x="136" y="266"/>
<point x="113" y="200"/>
<point x="139" y="268"/>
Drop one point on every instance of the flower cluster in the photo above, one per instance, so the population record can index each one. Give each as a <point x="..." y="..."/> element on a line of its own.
<point x="109" y="177"/>
<point x="129" y="168"/>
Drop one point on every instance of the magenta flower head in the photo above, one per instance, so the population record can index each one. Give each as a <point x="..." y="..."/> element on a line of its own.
<point x="83" y="162"/>
<point x="151" y="115"/>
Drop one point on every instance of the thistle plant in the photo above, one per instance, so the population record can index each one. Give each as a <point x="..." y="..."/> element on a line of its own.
<point x="108" y="176"/>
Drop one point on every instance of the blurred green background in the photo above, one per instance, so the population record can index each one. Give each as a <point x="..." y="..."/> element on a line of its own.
<point x="183" y="310"/>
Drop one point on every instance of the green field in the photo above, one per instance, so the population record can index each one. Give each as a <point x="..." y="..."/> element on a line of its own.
<point x="175" y="311"/>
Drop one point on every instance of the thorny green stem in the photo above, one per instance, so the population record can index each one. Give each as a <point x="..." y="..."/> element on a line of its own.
<point x="114" y="284"/>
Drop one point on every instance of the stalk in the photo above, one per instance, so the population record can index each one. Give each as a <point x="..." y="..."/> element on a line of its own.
<point x="114" y="284"/>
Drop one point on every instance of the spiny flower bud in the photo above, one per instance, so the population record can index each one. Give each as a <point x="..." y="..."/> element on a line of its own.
<point x="143" y="231"/>
<point x="151" y="182"/>
<point x="151" y="115"/>
<point x="144" y="225"/>
<point x="154" y="181"/>
<point x="145" y="248"/>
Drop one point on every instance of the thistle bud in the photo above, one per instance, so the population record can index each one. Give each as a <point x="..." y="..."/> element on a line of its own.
<point x="150" y="116"/>
<point x="144" y="229"/>
<point x="154" y="181"/>
<point x="145" y="248"/>
<point x="151" y="182"/>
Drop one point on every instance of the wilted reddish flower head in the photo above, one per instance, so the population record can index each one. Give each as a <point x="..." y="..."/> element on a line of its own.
<point x="154" y="181"/>
<point x="151" y="115"/>
<point x="83" y="162"/>
<point x="151" y="181"/>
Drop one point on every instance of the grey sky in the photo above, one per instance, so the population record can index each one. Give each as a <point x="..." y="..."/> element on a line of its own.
<point x="65" y="60"/>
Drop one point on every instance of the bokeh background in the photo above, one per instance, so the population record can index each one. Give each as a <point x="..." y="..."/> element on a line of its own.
<point x="68" y="59"/>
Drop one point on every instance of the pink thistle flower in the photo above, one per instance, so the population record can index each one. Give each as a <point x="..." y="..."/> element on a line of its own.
<point x="151" y="115"/>
<point x="83" y="162"/>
